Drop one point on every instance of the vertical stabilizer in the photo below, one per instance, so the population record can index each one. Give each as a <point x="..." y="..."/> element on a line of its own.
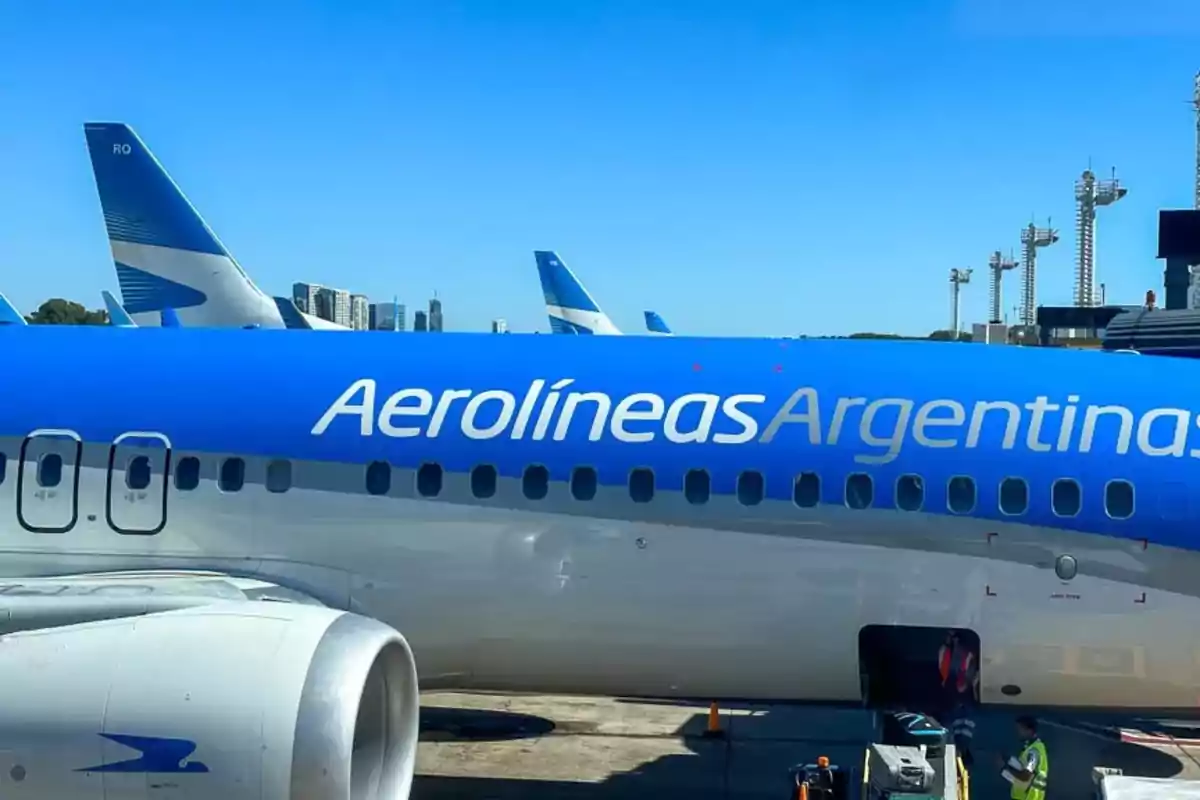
<point x="166" y="256"/>
<point x="570" y="307"/>
<point x="117" y="317"/>
<point x="9" y="314"/>
<point x="656" y="324"/>
<point x="169" y="319"/>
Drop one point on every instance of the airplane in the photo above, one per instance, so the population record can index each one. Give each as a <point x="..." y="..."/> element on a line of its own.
<point x="226" y="561"/>
<point x="656" y="324"/>
<point x="165" y="254"/>
<point x="9" y="314"/>
<point x="570" y="308"/>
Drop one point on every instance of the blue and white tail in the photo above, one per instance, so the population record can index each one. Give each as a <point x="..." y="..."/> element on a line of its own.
<point x="9" y="314"/>
<point x="570" y="307"/>
<point x="656" y="324"/>
<point x="117" y="317"/>
<point x="165" y="254"/>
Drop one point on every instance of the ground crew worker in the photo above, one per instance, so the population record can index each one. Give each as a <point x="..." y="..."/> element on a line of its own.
<point x="959" y="672"/>
<point x="1028" y="772"/>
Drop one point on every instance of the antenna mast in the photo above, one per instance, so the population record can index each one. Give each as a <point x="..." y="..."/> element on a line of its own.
<point x="998" y="265"/>
<point x="958" y="278"/>
<point x="1090" y="194"/>
<point x="1032" y="237"/>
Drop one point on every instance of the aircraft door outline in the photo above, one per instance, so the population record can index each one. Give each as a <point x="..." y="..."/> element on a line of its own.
<point x="137" y="481"/>
<point x="48" y="480"/>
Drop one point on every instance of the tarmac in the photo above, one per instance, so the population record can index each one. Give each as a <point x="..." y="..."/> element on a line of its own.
<point x="536" y="747"/>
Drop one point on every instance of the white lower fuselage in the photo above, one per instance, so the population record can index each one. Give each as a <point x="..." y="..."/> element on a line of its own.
<point x="512" y="594"/>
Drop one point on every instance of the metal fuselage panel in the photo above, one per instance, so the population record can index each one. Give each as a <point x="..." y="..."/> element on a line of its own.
<point x="662" y="597"/>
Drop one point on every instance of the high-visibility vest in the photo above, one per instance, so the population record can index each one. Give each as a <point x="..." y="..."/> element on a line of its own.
<point x="1035" y="789"/>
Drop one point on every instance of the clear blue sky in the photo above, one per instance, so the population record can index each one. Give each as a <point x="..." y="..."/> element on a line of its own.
<point x="744" y="168"/>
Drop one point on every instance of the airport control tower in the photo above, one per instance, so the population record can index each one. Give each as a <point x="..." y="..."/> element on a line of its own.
<point x="1090" y="194"/>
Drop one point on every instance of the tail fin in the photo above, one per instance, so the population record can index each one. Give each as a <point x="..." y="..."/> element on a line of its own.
<point x="117" y="317"/>
<point x="166" y="256"/>
<point x="9" y="314"/>
<point x="655" y="323"/>
<point x="169" y="318"/>
<point x="292" y="318"/>
<point x="570" y="307"/>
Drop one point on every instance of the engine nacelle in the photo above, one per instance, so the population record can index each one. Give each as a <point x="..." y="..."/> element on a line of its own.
<point x="235" y="700"/>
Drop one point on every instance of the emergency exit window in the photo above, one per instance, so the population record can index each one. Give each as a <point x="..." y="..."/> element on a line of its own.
<point x="137" y="473"/>
<point x="49" y="471"/>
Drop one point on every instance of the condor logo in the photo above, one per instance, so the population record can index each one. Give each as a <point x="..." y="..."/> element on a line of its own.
<point x="158" y="755"/>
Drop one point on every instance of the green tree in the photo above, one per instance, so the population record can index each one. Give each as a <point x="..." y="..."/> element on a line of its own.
<point x="58" y="311"/>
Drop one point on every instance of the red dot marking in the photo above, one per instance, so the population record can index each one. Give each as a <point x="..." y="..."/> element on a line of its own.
<point x="779" y="367"/>
<point x="695" y="367"/>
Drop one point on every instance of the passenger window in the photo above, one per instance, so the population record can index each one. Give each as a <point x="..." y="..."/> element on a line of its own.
<point x="960" y="495"/>
<point x="641" y="485"/>
<point x="536" y="482"/>
<point x="1118" y="499"/>
<point x="49" y="472"/>
<point x="233" y="475"/>
<point x="697" y="486"/>
<point x="483" y="481"/>
<point x="860" y="491"/>
<point x="750" y="488"/>
<point x="187" y="473"/>
<point x="583" y="483"/>
<point x="3" y="466"/>
<point x="279" y="476"/>
<point x="429" y="480"/>
<point x="379" y="477"/>
<point x="910" y="492"/>
<point x="1066" y="497"/>
<point x="137" y="473"/>
<point x="1014" y="496"/>
<point x="806" y="491"/>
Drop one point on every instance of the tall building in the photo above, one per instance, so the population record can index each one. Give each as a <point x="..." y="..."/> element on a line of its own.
<point x="304" y="295"/>
<point x="358" y="312"/>
<point x="334" y="305"/>
<point x="499" y="326"/>
<point x="435" y="315"/>
<point x="386" y="316"/>
<point x="420" y="321"/>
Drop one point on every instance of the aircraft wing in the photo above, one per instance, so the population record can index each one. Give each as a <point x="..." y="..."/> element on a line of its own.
<point x="212" y="684"/>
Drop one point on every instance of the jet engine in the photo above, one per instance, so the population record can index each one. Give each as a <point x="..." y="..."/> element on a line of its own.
<point x="234" y="700"/>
